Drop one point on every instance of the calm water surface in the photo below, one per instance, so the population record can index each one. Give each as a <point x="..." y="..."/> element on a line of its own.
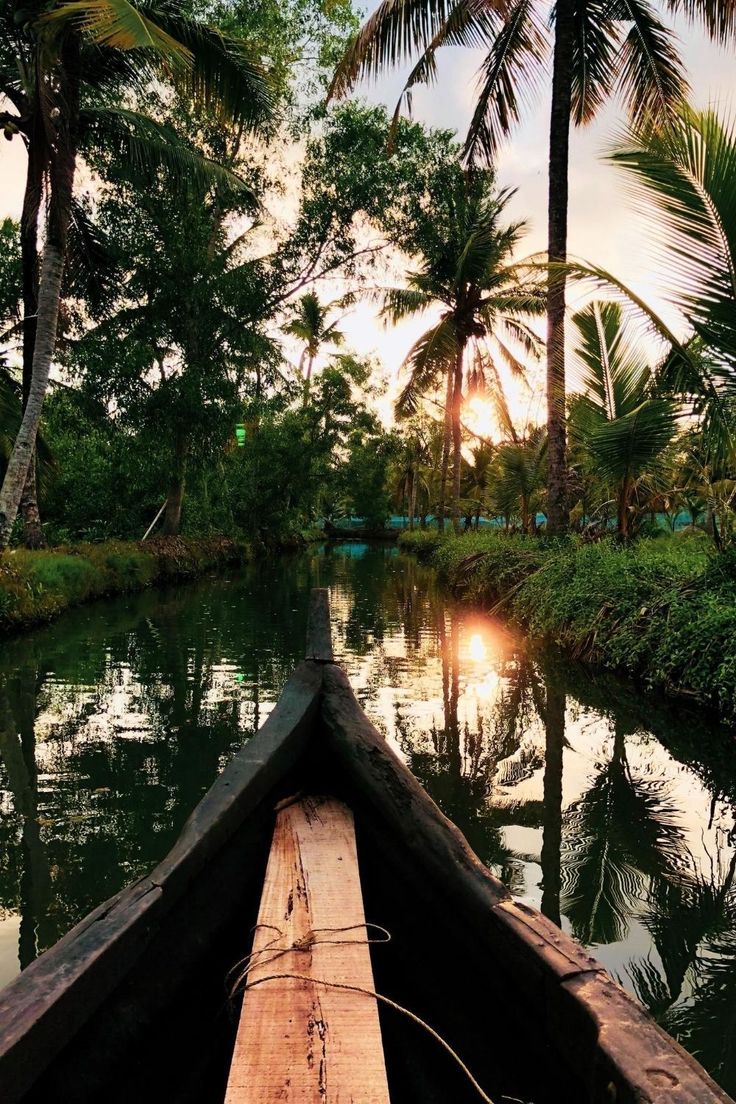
<point x="612" y="811"/>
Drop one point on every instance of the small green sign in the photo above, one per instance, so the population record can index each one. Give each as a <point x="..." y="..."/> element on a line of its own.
<point x="240" y="435"/>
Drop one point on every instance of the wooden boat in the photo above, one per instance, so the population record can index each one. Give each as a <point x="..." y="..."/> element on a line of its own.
<point x="133" y="1004"/>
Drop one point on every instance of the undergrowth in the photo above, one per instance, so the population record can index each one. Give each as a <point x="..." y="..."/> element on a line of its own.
<point x="35" y="586"/>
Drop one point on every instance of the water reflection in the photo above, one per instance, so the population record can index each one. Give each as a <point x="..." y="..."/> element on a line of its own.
<point x="611" y="811"/>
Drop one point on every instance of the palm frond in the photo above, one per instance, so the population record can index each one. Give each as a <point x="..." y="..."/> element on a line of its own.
<point x="651" y="74"/>
<point x="400" y="303"/>
<point x="224" y="78"/>
<point x="119" y="25"/>
<point x="147" y="146"/>
<point x="595" y="45"/>
<point x="432" y="355"/>
<point x="468" y="25"/>
<point x="687" y="172"/>
<point x="396" y="31"/>
<point x="508" y="77"/>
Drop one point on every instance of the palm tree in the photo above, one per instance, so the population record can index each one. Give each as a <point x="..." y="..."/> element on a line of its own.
<point x="477" y="481"/>
<point x="598" y="49"/>
<point x="411" y="461"/>
<point x="516" y="478"/>
<point x="215" y="72"/>
<point x="621" y="425"/>
<point x="685" y="172"/>
<point x="469" y="273"/>
<point x="311" y="326"/>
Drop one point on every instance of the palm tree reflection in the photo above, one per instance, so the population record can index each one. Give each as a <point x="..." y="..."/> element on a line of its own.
<point x="551" y="858"/>
<point x="621" y="831"/>
<point x="17" y="753"/>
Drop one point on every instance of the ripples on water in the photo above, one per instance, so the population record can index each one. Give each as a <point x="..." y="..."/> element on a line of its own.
<point x="610" y="810"/>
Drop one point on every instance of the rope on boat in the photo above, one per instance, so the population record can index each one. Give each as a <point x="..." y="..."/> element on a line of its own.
<point x="306" y="943"/>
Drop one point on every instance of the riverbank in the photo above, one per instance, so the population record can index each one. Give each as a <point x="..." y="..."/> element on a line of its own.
<point x="663" y="611"/>
<point x="37" y="586"/>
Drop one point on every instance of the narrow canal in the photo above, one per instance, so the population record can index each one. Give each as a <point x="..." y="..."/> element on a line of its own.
<point x="612" y="810"/>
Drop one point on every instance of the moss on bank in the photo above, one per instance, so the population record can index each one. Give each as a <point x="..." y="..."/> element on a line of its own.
<point x="661" y="610"/>
<point x="36" y="586"/>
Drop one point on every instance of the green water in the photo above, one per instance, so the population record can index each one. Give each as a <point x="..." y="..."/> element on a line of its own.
<point x="612" y="810"/>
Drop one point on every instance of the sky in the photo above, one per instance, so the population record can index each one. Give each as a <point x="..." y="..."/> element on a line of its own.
<point x="603" y="227"/>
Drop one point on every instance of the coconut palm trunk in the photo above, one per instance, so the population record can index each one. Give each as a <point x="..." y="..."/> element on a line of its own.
<point x="559" y="143"/>
<point x="554" y="724"/>
<point x="446" y="445"/>
<point x="175" y="498"/>
<point x="61" y="177"/>
<point x="33" y="534"/>
<point x="413" y="499"/>
<point x="457" y="439"/>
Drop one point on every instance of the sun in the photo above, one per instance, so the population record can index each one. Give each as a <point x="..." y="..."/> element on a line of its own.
<point x="480" y="417"/>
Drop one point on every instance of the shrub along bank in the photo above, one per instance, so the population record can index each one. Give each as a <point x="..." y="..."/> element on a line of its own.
<point x="36" y="586"/>
<point x="662" y="610"/>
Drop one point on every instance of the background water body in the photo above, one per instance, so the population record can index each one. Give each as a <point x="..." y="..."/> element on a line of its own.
<point x="611" y="810"/>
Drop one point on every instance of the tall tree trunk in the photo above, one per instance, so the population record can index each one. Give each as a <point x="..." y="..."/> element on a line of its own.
<point x="308" y="375"/>
<point x="559" y="141"/>
<point x="554" y="724"/>
<point x="524" y="514"/>
<point x="61" y="174"/>
<point x="457" y="441"/>
<point x="413" y="500"/>
<point x="175" y="499"/>
<point x="623" y="519"/>
<point x="446" y="443"/>
<point x="33" y="534"/>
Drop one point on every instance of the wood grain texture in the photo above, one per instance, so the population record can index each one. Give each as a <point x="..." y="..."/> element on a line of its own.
<point x="298" y="1041"/>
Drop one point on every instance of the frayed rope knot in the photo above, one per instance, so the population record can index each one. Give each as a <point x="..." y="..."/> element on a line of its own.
<point x="311" y="939"/>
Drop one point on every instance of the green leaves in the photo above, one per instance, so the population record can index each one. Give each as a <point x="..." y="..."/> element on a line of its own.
<point x="620" y="424"/>
<point x="627" y="445"/>
<point x="147" y="145"/>
<point x="117" y="25"/>
<point x="687" y="172"/>
<point x="217" y="73"/>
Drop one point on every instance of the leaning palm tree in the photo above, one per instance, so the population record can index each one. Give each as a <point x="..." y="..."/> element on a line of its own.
<point x="217" y="73"/>
<point x="310" y="326"/>
<point x="621" y="425"/>
<point x="598" y="49"/>
<point x="469" y="272"/>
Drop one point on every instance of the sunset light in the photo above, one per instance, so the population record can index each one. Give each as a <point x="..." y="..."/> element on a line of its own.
<point x="480" y="417"/>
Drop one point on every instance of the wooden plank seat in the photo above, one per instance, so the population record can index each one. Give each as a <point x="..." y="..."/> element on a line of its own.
<point x="300" y="1040"/>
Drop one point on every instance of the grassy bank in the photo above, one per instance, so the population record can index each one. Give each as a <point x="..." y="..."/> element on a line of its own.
<point x="661" y="610"/>
<point x="36" y="586"/>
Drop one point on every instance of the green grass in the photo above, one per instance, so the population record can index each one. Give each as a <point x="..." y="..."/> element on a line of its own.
<point x="36" y="586"/>
<point x="662" y="610"/>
